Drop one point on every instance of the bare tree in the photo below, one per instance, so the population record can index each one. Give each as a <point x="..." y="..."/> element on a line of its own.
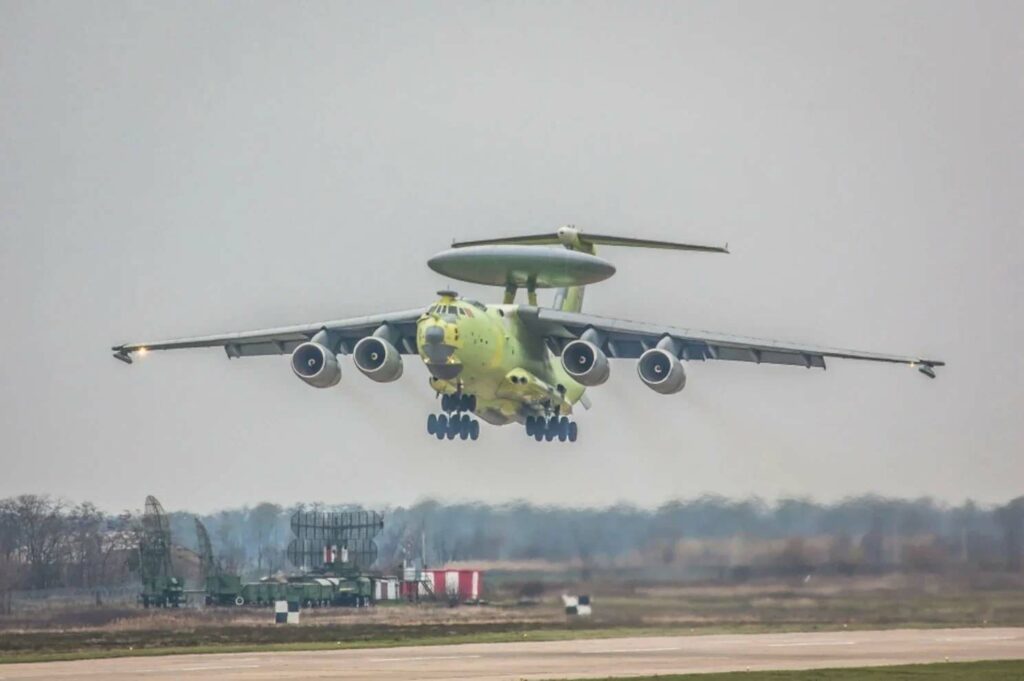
<point x="41" y="525"/>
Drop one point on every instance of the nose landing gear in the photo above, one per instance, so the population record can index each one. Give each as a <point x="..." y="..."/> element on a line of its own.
<point x="549" y="428"/>
<point x="456" y="420"/>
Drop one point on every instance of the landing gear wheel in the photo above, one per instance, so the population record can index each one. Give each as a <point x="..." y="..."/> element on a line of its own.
<point x="432" y="424"/>
<point x="563" y="428"/>
<point x="474" y="430"/>
<point x="529" y="425"/>
<point x="446" y="402"/>
<point x="573" y="431"/>
<point x="549" y="430"/>
<point x="537" y="435"/>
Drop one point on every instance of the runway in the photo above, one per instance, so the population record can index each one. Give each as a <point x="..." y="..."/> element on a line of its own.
<point x="560" y="659"/>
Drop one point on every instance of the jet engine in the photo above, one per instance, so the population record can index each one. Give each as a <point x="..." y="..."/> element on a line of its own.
<point x="585" y="362"/>
<point x="316" y="365"/>
<point x="378" y="359"/>
<point x="661" y="371"/>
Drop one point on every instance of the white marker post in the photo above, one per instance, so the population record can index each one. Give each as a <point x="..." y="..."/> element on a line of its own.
<point x="578" y="606"/>
<point x="286" y="612"/>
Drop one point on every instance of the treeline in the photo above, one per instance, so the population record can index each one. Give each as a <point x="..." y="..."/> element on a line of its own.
<point x="47" y="542"/>
<point x="863" y="533"/>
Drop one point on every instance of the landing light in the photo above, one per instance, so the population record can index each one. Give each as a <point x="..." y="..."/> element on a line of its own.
<point x="142" y="352"/>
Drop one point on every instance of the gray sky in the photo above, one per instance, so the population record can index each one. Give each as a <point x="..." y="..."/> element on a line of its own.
<point x="171" y="169"/>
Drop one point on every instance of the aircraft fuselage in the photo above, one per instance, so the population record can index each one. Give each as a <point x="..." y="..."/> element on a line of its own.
<point x="486" y="351"/>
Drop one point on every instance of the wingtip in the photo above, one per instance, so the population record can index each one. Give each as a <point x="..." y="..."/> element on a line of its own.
<point x="927" y="366"/>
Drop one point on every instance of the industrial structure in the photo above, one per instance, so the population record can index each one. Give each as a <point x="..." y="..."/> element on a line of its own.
<point x="332" y="552"/>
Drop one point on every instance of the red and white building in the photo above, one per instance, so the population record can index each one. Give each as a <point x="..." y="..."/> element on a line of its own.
<point x="456" y="584"/>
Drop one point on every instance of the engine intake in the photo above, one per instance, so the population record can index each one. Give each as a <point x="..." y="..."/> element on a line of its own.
<point x="316" y="365"/>
<point x="661" y="371"/>
<point x="378" y="359"/>
<point x="585" y="362"/>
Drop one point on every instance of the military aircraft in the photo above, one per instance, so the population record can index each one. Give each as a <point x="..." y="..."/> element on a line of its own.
<point x="513" y="363"/>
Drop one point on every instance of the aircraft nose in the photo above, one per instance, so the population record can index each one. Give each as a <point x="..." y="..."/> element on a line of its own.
<point x="434" y="335"/>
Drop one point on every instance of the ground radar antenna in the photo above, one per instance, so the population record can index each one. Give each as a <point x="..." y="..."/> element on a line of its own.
<point x="160" y="587"/>
<point x="207" y="564"/>
<point x="334" y="541"/>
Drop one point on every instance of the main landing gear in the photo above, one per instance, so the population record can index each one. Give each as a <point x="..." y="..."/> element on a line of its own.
<point x="456" y="421"/>
<point x="541" y="428"/>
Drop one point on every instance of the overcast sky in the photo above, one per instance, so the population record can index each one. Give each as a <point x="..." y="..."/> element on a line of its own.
<point x="172" y="169"/>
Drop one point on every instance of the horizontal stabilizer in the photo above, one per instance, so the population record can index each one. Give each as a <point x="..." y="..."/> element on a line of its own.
<point x="572" y="238"/>
<point x="548" y="239"/>
<point x="649" y="243"/>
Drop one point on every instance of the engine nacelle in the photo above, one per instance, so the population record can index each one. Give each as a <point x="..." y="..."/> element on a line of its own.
<point x="316" y="365"/>
<point x="661" y="371"/>
<point x="585" y="362"/>
<point x="378" y="359"/>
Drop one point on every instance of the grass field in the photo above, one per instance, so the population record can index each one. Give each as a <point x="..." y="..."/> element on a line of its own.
<point x="958" y="671"/>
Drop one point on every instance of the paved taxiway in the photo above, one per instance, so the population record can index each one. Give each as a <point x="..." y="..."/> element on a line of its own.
<point x="560" y="659"/>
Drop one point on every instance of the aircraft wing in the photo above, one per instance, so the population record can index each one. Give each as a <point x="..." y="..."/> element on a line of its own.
<point x="339" y="335"/>
<point x="627" y="339"/>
